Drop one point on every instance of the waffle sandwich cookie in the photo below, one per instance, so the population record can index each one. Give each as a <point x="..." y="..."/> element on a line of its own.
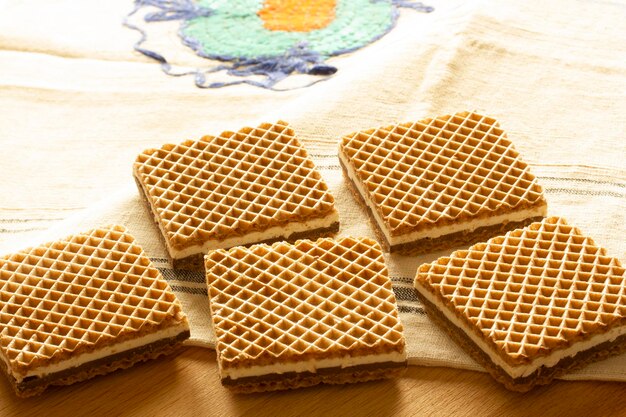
<point x="442" y="182"/>
<point x="239" y="188"/>
<point x="81" y="307"/>
<point x="295" y="315"/>
<point x="530" y="305"/>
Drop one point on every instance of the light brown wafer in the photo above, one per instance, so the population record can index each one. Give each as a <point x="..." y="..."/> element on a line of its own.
<point x="439" y="182"/>
<point x="239" y="188"/>
<point x="83" y="306"/>
<point x="290" y="315"/>
<point x="532" y="304"/>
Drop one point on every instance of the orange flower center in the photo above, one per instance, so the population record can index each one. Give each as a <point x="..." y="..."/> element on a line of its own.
<point x="297" y="15"/>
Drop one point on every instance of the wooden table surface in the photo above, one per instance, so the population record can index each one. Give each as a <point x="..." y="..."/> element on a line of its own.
<point x="187" y="384"/>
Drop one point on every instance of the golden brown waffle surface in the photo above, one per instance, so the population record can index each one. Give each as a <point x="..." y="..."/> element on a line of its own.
<point x="78" y="295"/>
<point x="309" y="300"/>
<point x="440" y="171"/>
<point x="533" y="291"/>
<point x="232" y="184"/>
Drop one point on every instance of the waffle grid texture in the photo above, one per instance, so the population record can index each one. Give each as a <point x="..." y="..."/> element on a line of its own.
<point x="532" y="291"/>
<point x="440" y="171"/>
<point x="78" y="295"/>
<point x="305" y="301"/>
<point x="232" y="184"/>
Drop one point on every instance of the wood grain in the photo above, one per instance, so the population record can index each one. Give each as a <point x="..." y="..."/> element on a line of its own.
<point x="188" y="385"/>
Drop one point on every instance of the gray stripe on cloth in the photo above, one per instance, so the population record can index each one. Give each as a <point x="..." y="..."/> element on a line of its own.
<point x="189" y="290"/>
<point x="31" y="229"/>
<point x="411" y="309"/>
<point x="405" y="293"/>
<point x="182" y="275"/>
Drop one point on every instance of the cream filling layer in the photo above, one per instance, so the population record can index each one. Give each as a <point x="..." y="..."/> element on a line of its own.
<point x="311" y="365"/>
<point x="254" y="237"/>
<point x="519" y="371"/>
<point x="437" y="231"/>
<point x="42" y="371"/>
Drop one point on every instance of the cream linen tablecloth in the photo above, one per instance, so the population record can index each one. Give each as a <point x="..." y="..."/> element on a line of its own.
<point x="78" y="104"/>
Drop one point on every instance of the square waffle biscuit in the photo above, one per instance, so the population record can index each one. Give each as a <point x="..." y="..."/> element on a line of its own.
<point x="532" y="304"/>
<point x="442" y="182"/>
<point x="239" y="188"/>
<point x="83" y="306"/>
<point x="295" y="315"/>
